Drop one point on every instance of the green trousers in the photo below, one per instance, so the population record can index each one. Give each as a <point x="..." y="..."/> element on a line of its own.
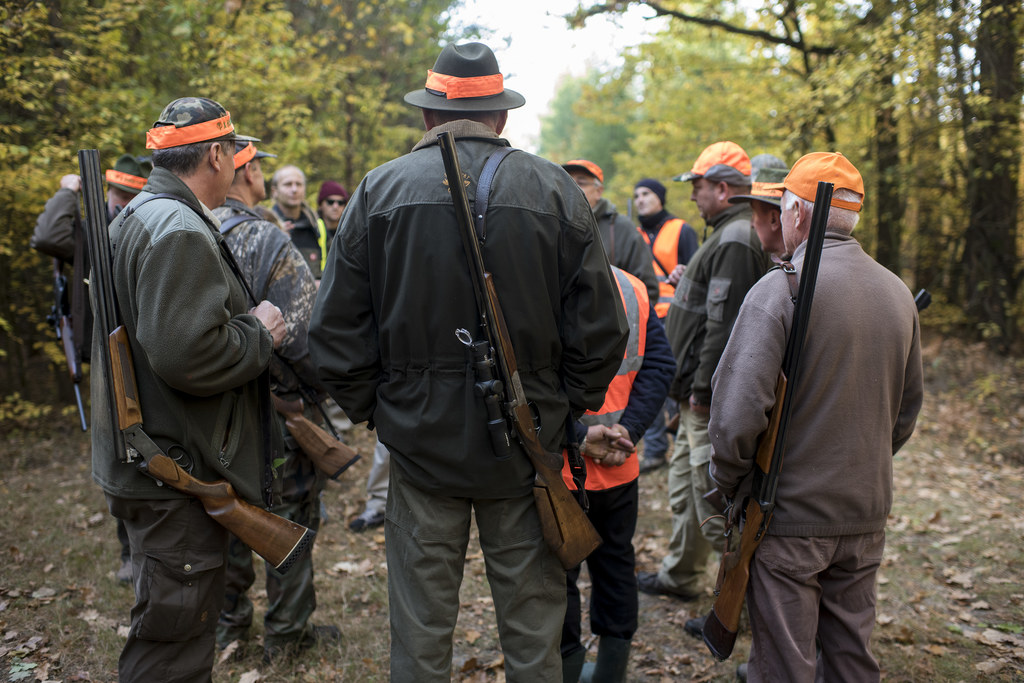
<point x="427" y="536"/>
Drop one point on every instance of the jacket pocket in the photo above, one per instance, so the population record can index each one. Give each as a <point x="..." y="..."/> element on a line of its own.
<point x="226" y="430"/>
<point x="718" y="294"/>
<point x="180" y="596"/>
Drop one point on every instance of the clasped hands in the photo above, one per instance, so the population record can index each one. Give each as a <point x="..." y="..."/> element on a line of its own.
<point x="609" y="446"/>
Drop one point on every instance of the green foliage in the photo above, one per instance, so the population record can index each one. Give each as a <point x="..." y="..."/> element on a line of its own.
<point x="319" y="81"/>
<point x="17" y="413"/>
<point x="901" y="88"/>
<point x="586" y="123"/>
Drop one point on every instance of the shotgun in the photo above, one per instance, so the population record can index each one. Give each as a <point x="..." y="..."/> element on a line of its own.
<point x="329" y="455"/>
<point x="723" y="621"/>
<point x="60" y="318"/>
<point x="566" y="528"/>
<point x="277" y="540"/>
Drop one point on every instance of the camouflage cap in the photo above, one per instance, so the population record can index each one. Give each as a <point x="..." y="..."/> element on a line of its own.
<point x="204" y="119"/>
<point x="762" y="177"/>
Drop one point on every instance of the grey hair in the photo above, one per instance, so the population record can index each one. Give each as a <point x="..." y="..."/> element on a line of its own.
<point x="184" y="159"/>
<point x="839" y="220"/>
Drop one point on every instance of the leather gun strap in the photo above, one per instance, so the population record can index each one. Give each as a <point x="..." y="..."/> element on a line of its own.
<point x="483" y="190"/>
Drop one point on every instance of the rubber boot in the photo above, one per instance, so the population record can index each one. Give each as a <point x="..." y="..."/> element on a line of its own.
<point x="572" y="665"/>
<point x="612" y="661"/>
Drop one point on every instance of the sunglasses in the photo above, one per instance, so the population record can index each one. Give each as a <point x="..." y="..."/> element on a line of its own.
<point x="336" y="202"/>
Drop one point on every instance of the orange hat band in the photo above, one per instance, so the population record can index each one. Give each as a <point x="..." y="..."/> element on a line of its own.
<point x="125" y="179"/>
<point x="245" y="156"/>
<point x="162" y="137"/>
<point x="765" y="189"/>
<point x="453" y="87"/>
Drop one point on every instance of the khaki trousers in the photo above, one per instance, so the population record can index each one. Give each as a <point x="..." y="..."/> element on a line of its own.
<point x="688" y="481"/>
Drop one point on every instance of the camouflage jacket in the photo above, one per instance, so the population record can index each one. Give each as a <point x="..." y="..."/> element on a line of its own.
<point x="277" y="272"/>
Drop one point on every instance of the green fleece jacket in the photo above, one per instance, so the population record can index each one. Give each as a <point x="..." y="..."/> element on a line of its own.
<point x="197" y="353"/>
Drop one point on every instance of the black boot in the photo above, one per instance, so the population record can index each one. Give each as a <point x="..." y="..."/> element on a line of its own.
<point x="572" y="665"/>
<point x="612" y="661"/>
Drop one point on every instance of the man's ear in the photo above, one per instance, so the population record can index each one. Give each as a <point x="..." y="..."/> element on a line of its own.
<point x="215" y="156"/>
<point x="722" y="191"/>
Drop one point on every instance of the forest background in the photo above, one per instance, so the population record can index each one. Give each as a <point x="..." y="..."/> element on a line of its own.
<point x="924" y="97"/>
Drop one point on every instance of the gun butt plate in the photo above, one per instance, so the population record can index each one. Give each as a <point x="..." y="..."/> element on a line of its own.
<point x="718" y="639"/>
<point x="303" y="545"/>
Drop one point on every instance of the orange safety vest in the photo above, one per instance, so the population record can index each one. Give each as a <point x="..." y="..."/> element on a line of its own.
<point x="666" y="251"/>
<point x="638" y="307"/>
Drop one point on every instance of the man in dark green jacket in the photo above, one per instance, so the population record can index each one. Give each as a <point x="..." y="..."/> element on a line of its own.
<point x="383" y="335"/>
<point x="699" y="320"/>
<point x="199" y="350"/>
<point x="622" y="242"/>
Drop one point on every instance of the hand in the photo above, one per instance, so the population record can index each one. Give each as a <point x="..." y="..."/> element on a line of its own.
<point x="699" y="408"/>
<point x="71" y="182"/>
<point x="609" y="446"/>
<point x="676" y="275"/>
<point x="270" y="315"/>
<point x="287" y="226"/>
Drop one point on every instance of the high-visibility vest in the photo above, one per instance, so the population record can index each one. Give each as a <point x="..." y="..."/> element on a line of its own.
<point x="638" y="307"/>
<point x="666" y="252"/>
<point x="321" y="240"/>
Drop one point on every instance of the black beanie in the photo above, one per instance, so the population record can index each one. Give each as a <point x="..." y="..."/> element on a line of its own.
<point x="654" y="186"/>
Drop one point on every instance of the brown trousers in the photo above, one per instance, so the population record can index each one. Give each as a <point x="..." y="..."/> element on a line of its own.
<point x="807" y="589"/>
<point x="178" y="568"/>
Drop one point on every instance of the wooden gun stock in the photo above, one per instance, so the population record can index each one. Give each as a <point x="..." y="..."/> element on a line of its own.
<point x="566" y="528"/>
<point x="277" y="540"/>
<point x="329" y="455"/>
<point x="723" y="622"/>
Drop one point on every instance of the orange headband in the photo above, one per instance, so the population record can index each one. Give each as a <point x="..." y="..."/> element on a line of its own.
<point x="125" y="179"/>
<point x="245" y="156"/>
<point x="455" y="88"/>
<point x="765" y="190"/>
<point x="162" y="137"/>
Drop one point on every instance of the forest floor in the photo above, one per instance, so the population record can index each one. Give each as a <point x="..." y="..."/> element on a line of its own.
<point x="951" y="589"/>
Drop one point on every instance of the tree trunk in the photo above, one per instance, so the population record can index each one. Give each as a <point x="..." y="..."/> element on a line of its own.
<point x="888" y="179"/>
<point x="993" y="148"/>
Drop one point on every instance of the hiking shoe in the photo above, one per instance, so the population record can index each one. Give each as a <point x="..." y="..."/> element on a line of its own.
<point x="651" y="464"/>
<point x="124" y="572"/>
<point x="367" y="520"/>
<point x="695" y="626"/>
<point x="648" y="582"/>
<point x="277" y="647"/>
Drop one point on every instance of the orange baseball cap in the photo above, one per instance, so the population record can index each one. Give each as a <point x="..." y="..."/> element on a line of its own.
<point x="830" y="167"/>
<point x="588" y="166"/>
<point x="720" y="162"/>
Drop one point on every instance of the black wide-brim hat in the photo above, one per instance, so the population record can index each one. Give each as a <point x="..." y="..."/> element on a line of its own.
<point x="465" y="78"/>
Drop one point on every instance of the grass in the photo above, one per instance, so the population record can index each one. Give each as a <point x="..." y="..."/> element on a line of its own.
<point x="951" y="588"/>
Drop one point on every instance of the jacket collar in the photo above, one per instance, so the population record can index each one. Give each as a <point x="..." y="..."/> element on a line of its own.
<point x="727" y="215"/>
<point x="461" y="128"/>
